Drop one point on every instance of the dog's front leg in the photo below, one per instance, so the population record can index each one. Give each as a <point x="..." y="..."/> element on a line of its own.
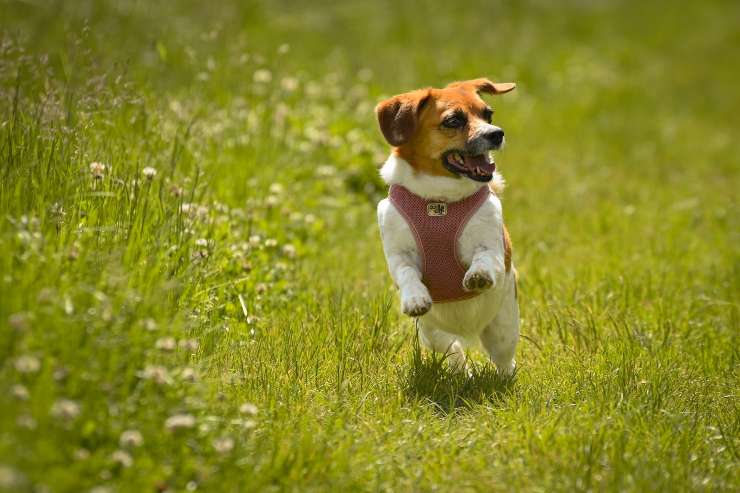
<point x="415" y="297"/>
<point x="485" y="270"/>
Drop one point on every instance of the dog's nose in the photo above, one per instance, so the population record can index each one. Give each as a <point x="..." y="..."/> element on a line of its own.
<point x="495" y="137"/>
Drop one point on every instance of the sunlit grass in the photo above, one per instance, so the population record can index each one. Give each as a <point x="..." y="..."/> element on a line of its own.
<point x="193" y="293"/>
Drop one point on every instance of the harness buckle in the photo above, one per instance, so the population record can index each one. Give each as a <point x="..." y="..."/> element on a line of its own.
<point x="436" y="209"/>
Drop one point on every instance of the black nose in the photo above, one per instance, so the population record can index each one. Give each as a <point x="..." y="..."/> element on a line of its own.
<point x="495" y="137"/>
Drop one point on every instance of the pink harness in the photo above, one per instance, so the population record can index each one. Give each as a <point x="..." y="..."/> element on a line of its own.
<point x="436" y="227"/>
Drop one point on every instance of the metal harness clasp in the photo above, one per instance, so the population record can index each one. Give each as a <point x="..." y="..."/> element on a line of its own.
<point x="436" y="209"/>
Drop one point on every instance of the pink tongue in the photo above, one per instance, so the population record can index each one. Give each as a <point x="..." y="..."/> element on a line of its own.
<point x="480" y="165"/>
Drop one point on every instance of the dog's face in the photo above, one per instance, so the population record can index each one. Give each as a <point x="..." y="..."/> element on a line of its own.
<point x="445" y="131"/>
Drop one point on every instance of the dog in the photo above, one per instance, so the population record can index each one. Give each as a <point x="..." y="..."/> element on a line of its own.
<point x="442" y="226"/>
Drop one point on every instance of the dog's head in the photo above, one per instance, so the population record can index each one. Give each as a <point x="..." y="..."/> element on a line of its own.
<point x="445" y="131"/>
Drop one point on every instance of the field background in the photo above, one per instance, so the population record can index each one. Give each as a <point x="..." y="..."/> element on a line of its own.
<point x="228" y="324"/>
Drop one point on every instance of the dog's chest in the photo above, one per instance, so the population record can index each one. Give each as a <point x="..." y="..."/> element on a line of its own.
<point x="483" y="230"/>
<point x="436" y="227"/>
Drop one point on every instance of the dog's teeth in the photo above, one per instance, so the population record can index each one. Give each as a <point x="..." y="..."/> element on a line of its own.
<point x="458" y="158"/>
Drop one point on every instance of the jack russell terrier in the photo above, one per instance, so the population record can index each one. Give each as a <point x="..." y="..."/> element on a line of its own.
<point x="442" y="226"/>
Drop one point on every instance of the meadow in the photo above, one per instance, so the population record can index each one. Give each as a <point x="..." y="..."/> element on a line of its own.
<point x="193" y="294"/>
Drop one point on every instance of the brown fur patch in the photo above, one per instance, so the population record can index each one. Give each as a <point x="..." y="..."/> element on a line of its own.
<point x="431" y="140"/>
<point x="507" y="250"/>
<point x="485" y="85"/>
<point x="412" y="122"/>
<point x="398" y="116"/>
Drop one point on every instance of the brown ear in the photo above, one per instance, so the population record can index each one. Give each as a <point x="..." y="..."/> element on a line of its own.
<point x="399" y="115"/>
<point x="486" y="86"/>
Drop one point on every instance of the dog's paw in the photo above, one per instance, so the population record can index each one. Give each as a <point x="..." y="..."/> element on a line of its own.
<point x="416" y="305"/>
<point x="477" y="280"/>
<point x="506" y="369"/>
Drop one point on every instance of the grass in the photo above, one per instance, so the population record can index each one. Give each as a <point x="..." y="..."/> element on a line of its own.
<point x="249" y="270"/>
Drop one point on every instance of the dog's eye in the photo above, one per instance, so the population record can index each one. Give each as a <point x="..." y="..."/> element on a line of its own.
<point x="454" y="121"/>
<point x="488" y="115"/>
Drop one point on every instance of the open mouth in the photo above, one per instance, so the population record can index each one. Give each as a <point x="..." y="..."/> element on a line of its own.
<point x="478" y="167"/>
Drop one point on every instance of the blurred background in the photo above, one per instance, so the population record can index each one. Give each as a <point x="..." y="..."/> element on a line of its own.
<point x="188" y="227"/>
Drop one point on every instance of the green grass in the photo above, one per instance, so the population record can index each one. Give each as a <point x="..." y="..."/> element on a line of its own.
<point x="249" y="269"/>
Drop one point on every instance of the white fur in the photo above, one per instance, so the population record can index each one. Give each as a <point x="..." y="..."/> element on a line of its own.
<point x="492" y="317"/>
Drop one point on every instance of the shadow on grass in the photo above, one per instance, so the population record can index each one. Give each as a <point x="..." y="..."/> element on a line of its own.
<point x="428" y="378"/>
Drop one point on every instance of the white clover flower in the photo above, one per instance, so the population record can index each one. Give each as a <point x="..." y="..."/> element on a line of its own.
<point x="166" y="344"/>
<point x="149" y="172"/>
<point x="27" y="364"/>
<point x="65" y="409"/>
<point x="10" y="479"/>
<point x="326" y="170"/>
<point x="122" y="458"/>
<point x="201" y="211"/>
<point x="313" y="89"/>
<point x="131" y="439"/>
<point x="97" y="170"/>
<point x="262" y="76"/>
<point x="255" y="240"/>
<point x="26" y="421"/>
<point x="18" y="321"/>
<point x="157" y="374"/>
<point x="201" y="242"/>
<point x="189" y="344"/>
<point x="149" y="324"/>
<point x="223" y="445"/>
<point x="81" y="454"/>
<point x="289" y="84"/>
<point x="277" y="188"/>
<point x="188" y="374"/>
<point x="272" y="201"/>
<point x="271" y="243"/>
<point x="249" y="409"/>
<point x="179" y="422"/>
<point x="289" y="250"/>
<point x="61" y="373"/>
<point x="20" y="392"/>
<point x="247" y="424"/>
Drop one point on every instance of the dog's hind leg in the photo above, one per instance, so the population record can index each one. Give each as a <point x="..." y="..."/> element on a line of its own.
<point x="501" y="336"/>
<point x="442" y="342"/>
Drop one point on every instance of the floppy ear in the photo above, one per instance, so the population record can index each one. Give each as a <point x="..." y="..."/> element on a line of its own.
<point x="398" y="116"/>
<point x="486" y="86"/>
